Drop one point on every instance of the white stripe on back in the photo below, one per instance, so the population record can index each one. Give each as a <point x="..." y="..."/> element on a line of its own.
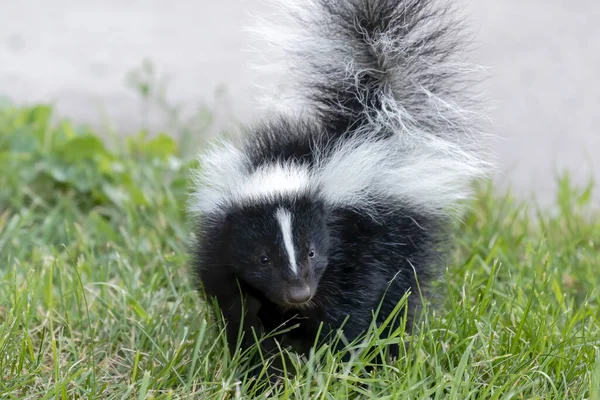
<point x="284" y="217"/>
<point x="274" y="179"/>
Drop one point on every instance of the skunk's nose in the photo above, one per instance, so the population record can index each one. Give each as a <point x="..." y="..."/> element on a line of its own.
<point x="299" y="294"/>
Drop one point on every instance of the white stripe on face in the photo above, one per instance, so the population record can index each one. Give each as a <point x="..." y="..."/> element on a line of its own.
<point x="284" y="217"/>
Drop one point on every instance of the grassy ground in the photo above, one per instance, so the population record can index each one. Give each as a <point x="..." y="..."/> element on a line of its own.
<point x="96" y="302"/>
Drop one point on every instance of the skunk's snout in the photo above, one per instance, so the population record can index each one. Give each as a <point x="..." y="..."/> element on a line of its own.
<point x="299" y="294"/>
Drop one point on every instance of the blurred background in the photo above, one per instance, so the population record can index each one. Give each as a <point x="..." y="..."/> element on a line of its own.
<point x="181" y="65"/>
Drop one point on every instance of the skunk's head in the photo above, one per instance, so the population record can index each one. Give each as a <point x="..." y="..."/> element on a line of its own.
<point x="279" y="248"/>
<point x="265" y="220"/>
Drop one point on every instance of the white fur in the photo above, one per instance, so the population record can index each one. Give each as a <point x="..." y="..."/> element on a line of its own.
<point x="284" y="218"/>
<point x="432" y="177"/>
<point x="222" y="169"/>
<point x="362" y="173"/>
<point x="225" y="178"/>
<point x="274" y="180"/>
<point x="430" y="168"/>
<point x="429" y="163"/>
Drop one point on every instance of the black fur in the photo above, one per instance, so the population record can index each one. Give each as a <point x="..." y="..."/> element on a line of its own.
<point x="357" y="258"/>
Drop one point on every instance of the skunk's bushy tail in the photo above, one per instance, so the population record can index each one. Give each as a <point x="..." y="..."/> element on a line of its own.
<point x="383" y="68"/>
<point x="371" y="61"/>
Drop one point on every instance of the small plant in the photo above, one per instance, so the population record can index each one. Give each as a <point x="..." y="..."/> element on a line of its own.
<point x="191" y="128"/>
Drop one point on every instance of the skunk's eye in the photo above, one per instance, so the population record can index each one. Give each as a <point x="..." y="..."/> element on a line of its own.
<point x="311" y="253"/>
<point x="264" y="260"/>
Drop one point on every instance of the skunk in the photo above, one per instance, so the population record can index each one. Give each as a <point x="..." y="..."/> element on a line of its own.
<point x="339" y="203"/>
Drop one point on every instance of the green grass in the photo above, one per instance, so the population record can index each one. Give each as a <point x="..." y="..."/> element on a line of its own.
<point x="96" y="301"/>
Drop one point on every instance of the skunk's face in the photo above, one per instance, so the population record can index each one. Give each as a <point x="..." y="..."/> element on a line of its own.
<point x="279" y="249"/>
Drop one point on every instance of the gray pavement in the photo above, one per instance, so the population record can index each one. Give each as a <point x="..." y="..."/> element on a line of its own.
<point x="544" y="58"/>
